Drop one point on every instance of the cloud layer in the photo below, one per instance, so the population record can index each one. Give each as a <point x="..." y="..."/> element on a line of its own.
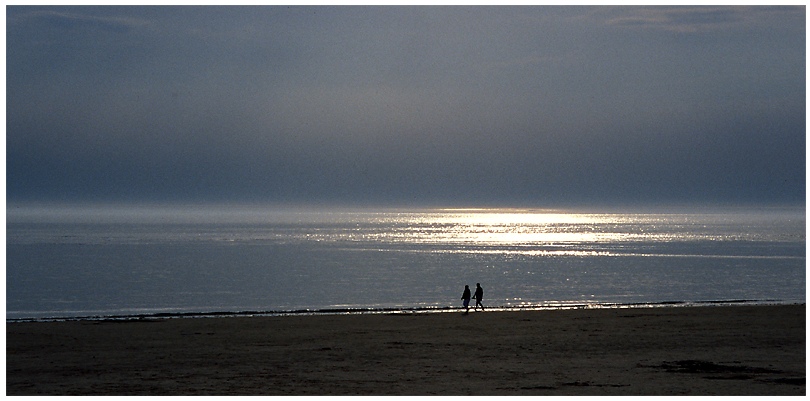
<point x="406" y="105"/>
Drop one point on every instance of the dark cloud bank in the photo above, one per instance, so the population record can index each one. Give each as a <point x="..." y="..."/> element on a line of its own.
<point x="532" y="106"/>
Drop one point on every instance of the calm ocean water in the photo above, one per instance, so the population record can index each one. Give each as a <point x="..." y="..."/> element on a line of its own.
<point x="114" y="261"/>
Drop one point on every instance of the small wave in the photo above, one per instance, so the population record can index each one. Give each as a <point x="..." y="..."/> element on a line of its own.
<point x="541" y="306"/>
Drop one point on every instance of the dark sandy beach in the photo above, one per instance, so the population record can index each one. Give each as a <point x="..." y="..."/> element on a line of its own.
<point x="713" y="350"/>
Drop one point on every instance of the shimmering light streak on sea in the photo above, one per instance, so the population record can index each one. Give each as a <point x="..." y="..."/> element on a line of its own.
<point x="489" y="227"/>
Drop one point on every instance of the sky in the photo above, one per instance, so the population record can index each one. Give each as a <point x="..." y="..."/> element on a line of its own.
<point x="383" y="105"/>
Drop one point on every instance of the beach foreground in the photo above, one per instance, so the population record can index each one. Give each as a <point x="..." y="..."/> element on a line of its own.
<point x="714" y="350"/>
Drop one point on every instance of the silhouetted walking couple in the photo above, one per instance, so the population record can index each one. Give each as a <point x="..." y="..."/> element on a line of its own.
<point x="479" y="295"/>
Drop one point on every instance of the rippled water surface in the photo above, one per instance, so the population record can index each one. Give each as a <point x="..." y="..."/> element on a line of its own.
<point x="122" y="261"/>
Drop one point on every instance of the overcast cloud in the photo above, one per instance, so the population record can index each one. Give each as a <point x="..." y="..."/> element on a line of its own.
<point x="543" y="106"/>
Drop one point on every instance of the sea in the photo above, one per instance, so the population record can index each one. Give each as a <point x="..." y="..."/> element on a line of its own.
<point x="158" y="261"/>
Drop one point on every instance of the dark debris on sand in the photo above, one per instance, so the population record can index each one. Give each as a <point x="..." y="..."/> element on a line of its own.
<point x="718" y="371"/>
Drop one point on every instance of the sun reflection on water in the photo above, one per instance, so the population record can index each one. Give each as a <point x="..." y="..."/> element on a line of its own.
<point x="498" y="228"/>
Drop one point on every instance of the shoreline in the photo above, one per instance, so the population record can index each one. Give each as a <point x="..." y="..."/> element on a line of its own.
<point x="390" y="310"/>
<point x="695" y="350"/>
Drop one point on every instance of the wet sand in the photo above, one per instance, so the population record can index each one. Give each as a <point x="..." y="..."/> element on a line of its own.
<point x="713" y="350"/>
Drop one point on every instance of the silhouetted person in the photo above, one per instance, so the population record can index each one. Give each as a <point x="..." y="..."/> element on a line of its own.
<point x="466" y="298"/>
<point x="479" y="295"/>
